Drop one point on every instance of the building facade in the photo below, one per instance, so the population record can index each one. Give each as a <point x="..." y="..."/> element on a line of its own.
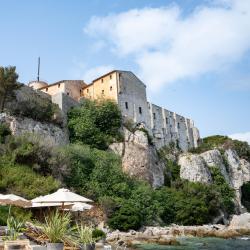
<point x="129" y="92"/>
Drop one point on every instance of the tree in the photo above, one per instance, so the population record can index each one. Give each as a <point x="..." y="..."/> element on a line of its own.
<point x="8" y="84"/>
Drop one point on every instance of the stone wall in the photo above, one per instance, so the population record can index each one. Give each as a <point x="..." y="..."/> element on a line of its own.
<point x="165" y="126"/>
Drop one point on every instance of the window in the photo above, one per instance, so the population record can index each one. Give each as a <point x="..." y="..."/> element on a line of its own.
<point x="178" y="125"/>
<point x="166" y="120"/>
<point x="103" y="92"/>
<point x="154" y="116"/>
<point x="87" y="90"/>
<point x="46" y="89"/>
<point x="59" y="85"/>
<point x="126" y="105"/>
<point x="67" y="93"/>
<point x="110" y="77"/>
<point x="140" y="110"/>
<point x="110" y="88"/>
<point x="102" y="81"/>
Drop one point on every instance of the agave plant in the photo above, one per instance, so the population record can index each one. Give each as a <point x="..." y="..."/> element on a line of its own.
<point x="56" y="226"/>
<point x="85" y="235"/>
<point x="14" y="227"/>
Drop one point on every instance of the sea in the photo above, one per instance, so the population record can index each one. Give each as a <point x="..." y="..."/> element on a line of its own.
<point x="195" y="243"/>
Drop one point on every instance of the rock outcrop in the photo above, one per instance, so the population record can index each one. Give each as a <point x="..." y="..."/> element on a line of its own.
<point x="49" y="132"/>
<point x="236" y="171"/>
<point x="139" y="158"/>
<point x="241" y="221"/>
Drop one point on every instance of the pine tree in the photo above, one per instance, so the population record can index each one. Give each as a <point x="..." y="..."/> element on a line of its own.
<point x="8" y="85"/>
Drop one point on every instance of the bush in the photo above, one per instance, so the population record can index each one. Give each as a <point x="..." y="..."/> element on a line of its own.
<point x="23" y="181"/>
<point x="95" y="123"/>
<point x="245" y="189"/>
<point x="223" y="143"/>
<point x="4" y="131"/>
<point x="98" y="234"/>
<point x="38" y="108"/>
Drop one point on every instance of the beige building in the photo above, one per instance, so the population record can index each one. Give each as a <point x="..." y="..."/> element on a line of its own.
<point x="129" y="92"/>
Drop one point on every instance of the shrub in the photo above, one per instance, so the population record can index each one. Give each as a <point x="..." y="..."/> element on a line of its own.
<point x="4" y="131"/>
<point x="245" y="189"/>
<point x="23" y="181"/>
<point x="98" y="234"/>
<point x="95" y="123"/>
<point x="38" y="108"/>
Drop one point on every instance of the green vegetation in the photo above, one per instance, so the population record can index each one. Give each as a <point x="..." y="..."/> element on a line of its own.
<point x="223" y="143"/>
<point x="29" y="167"/>
<point x="8" y="85"/>
<point x="56" y="226"/>
<point x="4" y="131"/>
<point x="245" y="189"/>
<point x="95" y="123"/>
<point x="221" y="186"/>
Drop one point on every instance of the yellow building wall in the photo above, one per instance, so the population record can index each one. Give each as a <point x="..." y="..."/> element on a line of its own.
<point x="105" y="87"/>
<point x="54" y="89"/>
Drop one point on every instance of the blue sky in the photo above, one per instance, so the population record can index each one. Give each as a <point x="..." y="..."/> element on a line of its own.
<point x="194" y="56"/>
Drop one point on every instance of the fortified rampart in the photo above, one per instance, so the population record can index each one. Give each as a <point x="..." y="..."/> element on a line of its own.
<point x="129" y="92"/>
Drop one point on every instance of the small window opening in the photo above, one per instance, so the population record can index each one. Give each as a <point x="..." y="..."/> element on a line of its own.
<point x="110" y="77"/>
<point x="67" y="93"/>
<point x="166" y="120"/>
<point x="140" y="110"/>
<point x="126" y="105"/>
<point x="103" y="91"/>
<point x="87" y="90"/>
<point x="102" y="80"/>
<point x="110" y="88"/>
<point x="59" y="85"/>
<point x="154" y="116"/>
<point x="46" y="89"/>
<point x="178" y="125"/>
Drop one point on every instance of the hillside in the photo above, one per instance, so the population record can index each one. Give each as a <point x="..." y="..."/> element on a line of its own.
<point x="115" y="163"/>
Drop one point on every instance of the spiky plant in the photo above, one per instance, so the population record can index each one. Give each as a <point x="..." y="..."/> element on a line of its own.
<point x="56" y="226"/>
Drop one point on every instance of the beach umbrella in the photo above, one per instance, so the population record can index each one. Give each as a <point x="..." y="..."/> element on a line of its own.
<point x="62" y="196"/>
<point x="79" y="207"/>
<point x="12" y="199"/>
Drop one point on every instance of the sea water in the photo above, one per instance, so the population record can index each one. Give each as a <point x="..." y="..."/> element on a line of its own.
<point x="194" y="243"/>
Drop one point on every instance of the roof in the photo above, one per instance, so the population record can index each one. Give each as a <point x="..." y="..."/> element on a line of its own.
<point x="62" y="81"/>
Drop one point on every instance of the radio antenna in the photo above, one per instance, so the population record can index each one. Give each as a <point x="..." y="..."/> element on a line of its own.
<point x="38" y="69"/>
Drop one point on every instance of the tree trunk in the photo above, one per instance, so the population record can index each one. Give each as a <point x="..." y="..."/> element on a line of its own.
<point x="2" y="102"/>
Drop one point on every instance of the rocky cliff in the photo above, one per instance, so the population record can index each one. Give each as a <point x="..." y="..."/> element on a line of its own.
<point x="139" y="158"/>
<point x="236" y="171"/>
<point x="20" y="125"/>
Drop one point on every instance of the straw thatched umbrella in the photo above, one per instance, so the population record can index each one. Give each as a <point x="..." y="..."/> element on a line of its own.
<point x="12" y="199"/>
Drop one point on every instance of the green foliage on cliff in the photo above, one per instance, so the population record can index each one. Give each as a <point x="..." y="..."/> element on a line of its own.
<point x="8" y="85"/>
<point x="223" y="143"/>
<point x="20" y="172"/>
<point x="245" y="189"/>
<point x="38" y="108"/>
<point x="221" y="186"/>
<point x="95" y="123"/>
<point x="4" y="131"/>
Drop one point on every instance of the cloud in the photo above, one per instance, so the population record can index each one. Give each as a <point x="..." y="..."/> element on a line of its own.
<point x="168" y="46"/>
<point x="95" y="72"/>
<point x="241" y="137"/>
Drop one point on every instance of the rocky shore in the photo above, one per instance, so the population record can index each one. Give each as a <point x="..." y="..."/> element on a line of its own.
<point x="239" y="225"/>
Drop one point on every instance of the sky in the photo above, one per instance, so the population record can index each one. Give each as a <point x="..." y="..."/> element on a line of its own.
<point x="193" y="55"/>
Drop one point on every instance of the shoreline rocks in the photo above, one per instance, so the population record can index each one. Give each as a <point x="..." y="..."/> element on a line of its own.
<point x="169" y="235"/>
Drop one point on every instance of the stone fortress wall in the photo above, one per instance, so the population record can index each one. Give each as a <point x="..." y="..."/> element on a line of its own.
<point x="129" y="92"/>
<point x="165" y="126"/>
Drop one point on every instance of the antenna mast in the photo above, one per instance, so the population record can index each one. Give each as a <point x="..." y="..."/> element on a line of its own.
<point x="38" y="69"/>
